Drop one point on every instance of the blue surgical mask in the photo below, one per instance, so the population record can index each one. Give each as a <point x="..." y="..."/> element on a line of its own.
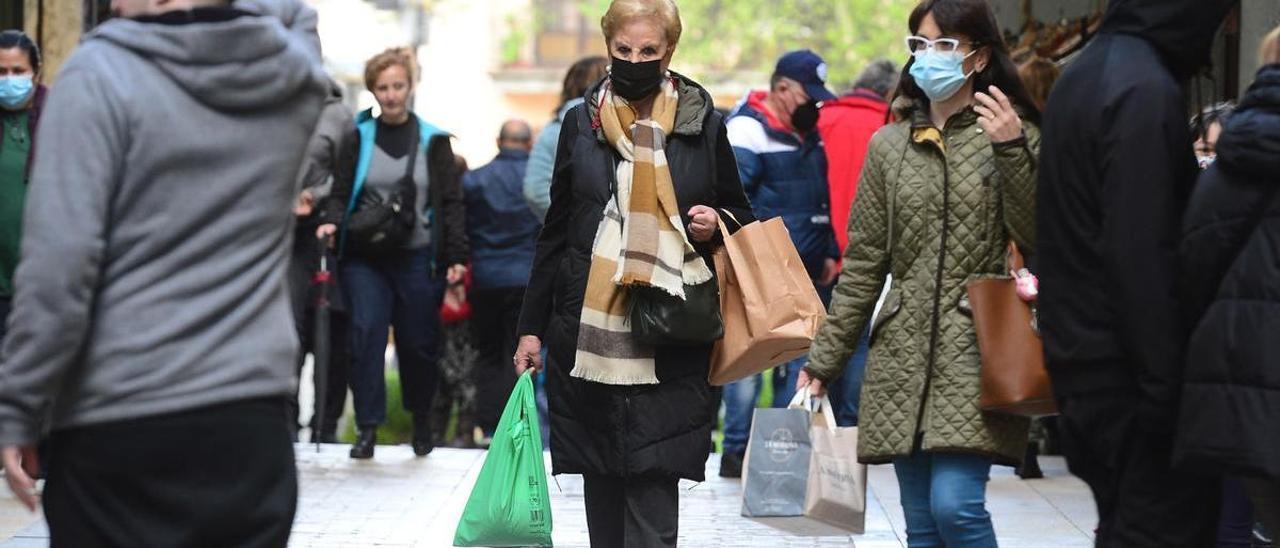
<point x="940" y="75"/>
<point x="15" y="91"/>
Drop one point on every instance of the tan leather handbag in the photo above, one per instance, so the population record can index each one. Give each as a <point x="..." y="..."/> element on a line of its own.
<point x="1014" y="378"/>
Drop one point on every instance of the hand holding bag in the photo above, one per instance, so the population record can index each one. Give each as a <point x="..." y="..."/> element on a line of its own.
<point x="1014" y="378"/>
<point x="510" y="504"/>
<point x="770" y="308"/>
<point x="802" y="472"/>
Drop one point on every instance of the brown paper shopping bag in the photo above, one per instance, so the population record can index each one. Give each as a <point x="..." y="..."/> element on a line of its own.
<point x="770" y="308"/>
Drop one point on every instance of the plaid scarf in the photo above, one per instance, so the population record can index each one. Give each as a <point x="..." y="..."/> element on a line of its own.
<point x="640" y="242"/>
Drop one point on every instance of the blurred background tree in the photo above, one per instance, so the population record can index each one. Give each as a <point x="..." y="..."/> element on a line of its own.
<point x="722" y="36"/>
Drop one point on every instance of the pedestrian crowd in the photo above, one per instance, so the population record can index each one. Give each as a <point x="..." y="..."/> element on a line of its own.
<point x="194" y="208"/>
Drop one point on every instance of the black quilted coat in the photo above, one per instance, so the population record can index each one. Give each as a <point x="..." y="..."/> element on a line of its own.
<point x="1230" y="255"/>
<point x="661" y="430"/>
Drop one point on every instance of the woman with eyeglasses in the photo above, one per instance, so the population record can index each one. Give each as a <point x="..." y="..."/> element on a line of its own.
<point x="944" y="191"/>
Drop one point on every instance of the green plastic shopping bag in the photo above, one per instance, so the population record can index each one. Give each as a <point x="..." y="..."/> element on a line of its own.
<point x="509" y="506"/>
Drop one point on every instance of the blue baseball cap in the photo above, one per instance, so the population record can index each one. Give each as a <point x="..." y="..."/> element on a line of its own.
<point x="809" y="69"/>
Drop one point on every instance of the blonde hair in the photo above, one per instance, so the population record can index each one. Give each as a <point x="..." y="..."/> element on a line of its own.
<point x="402" y="57"/>
<point x="1270" y="51"/>
<point x="622" y="12"/>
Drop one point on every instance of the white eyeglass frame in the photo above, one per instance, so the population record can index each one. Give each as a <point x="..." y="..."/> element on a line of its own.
<point x="928" y="44"/>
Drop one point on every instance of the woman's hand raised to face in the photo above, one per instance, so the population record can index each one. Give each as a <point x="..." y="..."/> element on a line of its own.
<point x="996" y="116"/>
<point x="703" y="223"/>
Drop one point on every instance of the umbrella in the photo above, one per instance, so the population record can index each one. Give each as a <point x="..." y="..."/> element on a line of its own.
<point x="322" y="280"/>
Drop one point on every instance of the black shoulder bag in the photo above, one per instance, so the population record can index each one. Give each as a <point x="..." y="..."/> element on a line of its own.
<point x="379" y="228"/>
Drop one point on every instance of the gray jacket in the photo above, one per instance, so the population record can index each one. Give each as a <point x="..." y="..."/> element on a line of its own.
<point x="159" y="220"/>
<point x="337" y="124"/>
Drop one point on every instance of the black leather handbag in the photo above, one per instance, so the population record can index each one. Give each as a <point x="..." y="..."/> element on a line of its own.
<point x="380" y="227"/>
<point x="659" y="319"/>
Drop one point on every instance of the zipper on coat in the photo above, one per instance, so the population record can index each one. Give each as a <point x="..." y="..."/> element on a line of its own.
<point x="937" y="295"/>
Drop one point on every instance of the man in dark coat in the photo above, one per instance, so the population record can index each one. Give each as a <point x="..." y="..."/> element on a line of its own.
<point x="503" y="231"/>
<point x="1231" y="395"/>
<point x="1116" y="169"/>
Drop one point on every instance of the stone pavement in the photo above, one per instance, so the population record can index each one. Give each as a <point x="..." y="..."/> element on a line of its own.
<point x="401" y="501"/>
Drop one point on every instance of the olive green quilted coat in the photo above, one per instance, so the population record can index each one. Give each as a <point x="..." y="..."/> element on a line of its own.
<point x="935" y="217"/>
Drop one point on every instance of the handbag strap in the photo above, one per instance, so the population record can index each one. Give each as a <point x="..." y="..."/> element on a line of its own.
<point x="805" y="400"/>
<point x="1013" y="257"/>
<point x="407" y="181"/>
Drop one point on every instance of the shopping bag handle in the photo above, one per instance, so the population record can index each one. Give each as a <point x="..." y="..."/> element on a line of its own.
<point x="804" y="399"/>
<point x="726" y="213"/>
<point x="801" y="399"/>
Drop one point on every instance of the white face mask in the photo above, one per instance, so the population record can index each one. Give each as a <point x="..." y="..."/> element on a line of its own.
<point x="1206" y="160"/>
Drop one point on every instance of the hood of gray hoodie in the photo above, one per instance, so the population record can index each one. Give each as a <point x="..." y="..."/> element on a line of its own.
<point x="248" y="63"/>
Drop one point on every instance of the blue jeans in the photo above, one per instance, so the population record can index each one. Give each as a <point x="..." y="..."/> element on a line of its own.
<point x="846" y="391"/>
<point x="397" y="291"/>
<point x="944" y="497"/>
<point x="784" y="381"/>
<point x="740" y="399"/>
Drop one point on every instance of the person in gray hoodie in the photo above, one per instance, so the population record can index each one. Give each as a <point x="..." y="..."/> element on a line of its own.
<point x="151" y="346"/>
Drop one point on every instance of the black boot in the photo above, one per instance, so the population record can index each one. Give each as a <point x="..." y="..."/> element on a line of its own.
<point x="423" y="443"/>
<point x="366" y="440"/>
<point x="731" y="464"/>
<point x="1030" y="468"/>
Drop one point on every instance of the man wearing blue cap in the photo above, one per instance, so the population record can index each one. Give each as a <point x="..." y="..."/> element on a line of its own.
<point x="784" y="170"/>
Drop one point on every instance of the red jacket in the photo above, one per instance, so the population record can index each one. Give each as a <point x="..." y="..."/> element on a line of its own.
<point x="847" y="125"/>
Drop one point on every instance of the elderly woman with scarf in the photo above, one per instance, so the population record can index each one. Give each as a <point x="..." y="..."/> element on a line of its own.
<point x="646" y="158"/>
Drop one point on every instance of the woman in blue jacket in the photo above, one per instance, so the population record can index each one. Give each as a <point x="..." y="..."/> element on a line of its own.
<point x="402" y="288"/>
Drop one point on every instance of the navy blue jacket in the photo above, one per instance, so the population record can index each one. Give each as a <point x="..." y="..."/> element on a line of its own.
<point x="786" y="177"/>
<point x="502" y="229"/>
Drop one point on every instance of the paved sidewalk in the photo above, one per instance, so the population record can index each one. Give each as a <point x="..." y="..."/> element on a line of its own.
<point x="399" y="500"/>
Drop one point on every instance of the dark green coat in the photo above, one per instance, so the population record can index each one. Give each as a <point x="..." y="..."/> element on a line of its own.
<point x="935" y="216"/>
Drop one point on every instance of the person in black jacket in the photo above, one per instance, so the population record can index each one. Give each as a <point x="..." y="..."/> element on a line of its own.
<point x="503" y="231"/>
<point x="632" y="418"/>
<point x="1231" y="288"/>
<point x="315" y="181"/>
<point x="403" y="288"/>
<point x="1116" y="169"/>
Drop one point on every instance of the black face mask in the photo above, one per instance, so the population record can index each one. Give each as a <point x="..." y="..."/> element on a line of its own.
<point x="635" y="81"/>
<point x="805" y="117"/>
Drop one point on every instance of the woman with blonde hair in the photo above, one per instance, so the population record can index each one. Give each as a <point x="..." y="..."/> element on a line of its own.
<point x="641" y="168"/>
<point x="398" y="200"/>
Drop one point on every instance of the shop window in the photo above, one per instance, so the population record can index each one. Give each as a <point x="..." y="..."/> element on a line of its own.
<point x="563" y="34"/>
<point x="95" y="12"/>
<point x="11" y="15"/>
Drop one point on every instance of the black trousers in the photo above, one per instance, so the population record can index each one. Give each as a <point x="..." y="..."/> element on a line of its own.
<point x="339" y="366"/>
<point x="215" y="477"/>
<point x="494" y="317"/>
<point x="1126" y="462"/>
<point x="632" y="513"/>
